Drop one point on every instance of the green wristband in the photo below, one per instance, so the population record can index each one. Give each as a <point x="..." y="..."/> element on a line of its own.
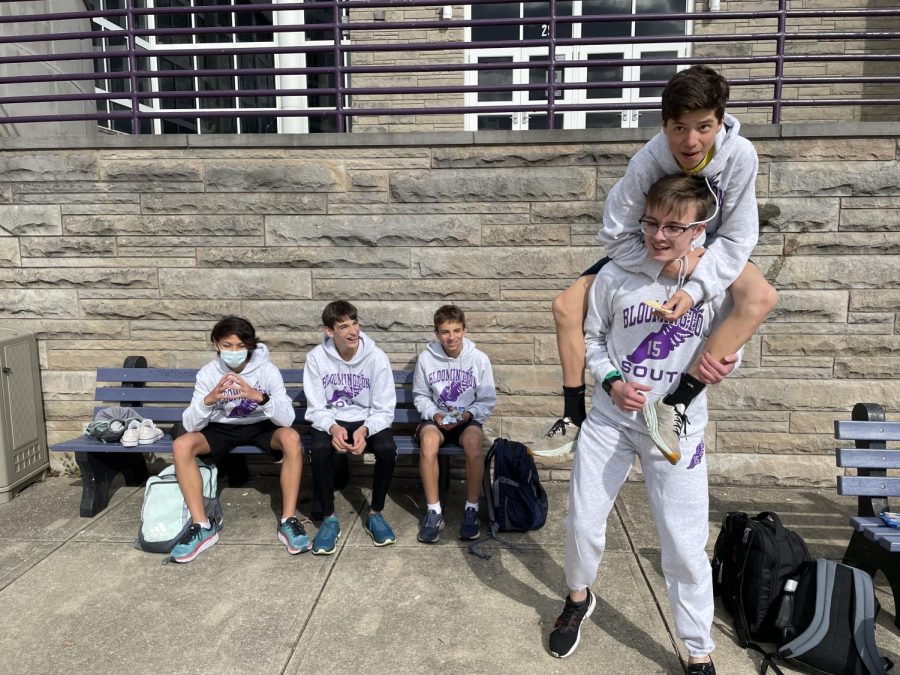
<point x="611" y="374"/>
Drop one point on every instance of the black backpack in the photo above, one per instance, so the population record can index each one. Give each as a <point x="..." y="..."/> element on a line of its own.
<point x="826" y="619"/>
<point x="516" y="500"/>
<point x="752" y="558"/>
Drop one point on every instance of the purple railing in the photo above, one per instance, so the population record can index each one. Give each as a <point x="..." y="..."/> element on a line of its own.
<point x="31" y="60"/>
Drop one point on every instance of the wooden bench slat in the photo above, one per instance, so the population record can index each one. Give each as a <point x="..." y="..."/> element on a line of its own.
<point x="866" y="431"/>
<point x="868" y="486"/>
<point x="868" y="459"/>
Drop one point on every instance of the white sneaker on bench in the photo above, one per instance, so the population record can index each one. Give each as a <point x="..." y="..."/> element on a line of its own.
<point x="132" y="434"/>
<point x="149" y="433"/>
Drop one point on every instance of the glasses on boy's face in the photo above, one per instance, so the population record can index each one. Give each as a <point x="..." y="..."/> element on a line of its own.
<point x="671" y="231"/>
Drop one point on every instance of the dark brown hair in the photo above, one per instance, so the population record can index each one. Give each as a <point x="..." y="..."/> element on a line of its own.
<point x="337" y="310"/>
<point x="449" y="313"/>
<point x="697" y="88"/>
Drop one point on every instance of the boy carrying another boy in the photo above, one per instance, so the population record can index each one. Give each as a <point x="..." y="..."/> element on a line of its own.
<point x="697" y="138"/>
<point x="453" y="390"/>
<point x="350" y="399"/>
<point x="639" y="359"/>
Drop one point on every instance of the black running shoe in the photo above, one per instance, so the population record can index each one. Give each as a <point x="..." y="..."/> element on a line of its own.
<point x="567" y="631"/>
<point x="701" y="668"/>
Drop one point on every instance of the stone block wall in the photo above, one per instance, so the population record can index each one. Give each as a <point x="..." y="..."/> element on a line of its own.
<point x="132" y="245"/>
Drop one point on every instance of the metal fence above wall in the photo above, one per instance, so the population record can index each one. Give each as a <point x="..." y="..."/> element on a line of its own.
<point x="212" y="66"/>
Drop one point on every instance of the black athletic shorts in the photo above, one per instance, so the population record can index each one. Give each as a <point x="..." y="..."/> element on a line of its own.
<point x="451" y="437"/>
<point x="593" y="269"/>
<point x="223" y="438"/>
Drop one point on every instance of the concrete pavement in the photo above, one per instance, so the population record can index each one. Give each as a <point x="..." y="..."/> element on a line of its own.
<point x="75" y="597"/>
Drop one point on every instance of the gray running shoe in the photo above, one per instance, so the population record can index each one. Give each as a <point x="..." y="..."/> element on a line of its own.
<point x="666" y="424"/>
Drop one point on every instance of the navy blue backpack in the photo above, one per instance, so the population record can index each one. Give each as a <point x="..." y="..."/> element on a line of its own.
<point x="516" y="500"/>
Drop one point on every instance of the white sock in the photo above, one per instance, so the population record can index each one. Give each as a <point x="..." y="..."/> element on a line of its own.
<point x="470" y="505"/>
<point x="435" y="507"/>
<point x="205" y="525"/>
<point x="283" y="521"/>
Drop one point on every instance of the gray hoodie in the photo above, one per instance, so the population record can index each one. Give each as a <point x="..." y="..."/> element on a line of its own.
<point x="465" y="382"/>
<point x="358" y="390"/>
<point x="731" y="235"/>
<point x="621" y="334"/>
<point x="261" y="374"/>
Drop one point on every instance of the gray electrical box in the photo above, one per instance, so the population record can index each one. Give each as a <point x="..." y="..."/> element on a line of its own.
<point x="23" y="436"/>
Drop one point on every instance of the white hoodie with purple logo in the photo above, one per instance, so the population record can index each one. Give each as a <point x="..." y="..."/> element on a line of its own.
<point x="622" y="334"/>
<point x="358" y="390"/>
<point x="464" y="382"/>
<point x="261" y="374"/>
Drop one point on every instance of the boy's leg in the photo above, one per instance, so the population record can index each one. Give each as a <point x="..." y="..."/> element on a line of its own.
<point x="598" y="472"/>
<point x="290" y="531"/>
<point x="184" y="454"/>
<point x="472" y="442"/>
<point x="430" y="439"/>
<point x="320" y="452"/>
<point x="287" y="440"/>
<point x="754" y="298"/>
<point x="384" y="448"/>
<point x="569" y="310"/>
<point x="679" y="502"/>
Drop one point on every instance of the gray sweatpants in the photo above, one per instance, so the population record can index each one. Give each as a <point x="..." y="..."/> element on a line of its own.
<point x="679" y="502"/>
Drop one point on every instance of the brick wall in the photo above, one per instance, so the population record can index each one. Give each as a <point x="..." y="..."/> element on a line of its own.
<point x="139" y="246"/>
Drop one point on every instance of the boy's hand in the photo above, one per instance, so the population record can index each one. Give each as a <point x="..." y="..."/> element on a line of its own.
<point x="678" y="305"/>
<point x="712" y="371"/>
<point x="671" y="268"/>
<point x="246" y="391"/>
<point x="223" y="391"/>
<point x="359" y="440"/>
<point x="628" y="396"/>
<point x="339" y="438"/>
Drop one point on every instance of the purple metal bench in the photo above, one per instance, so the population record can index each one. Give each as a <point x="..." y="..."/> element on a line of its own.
<point x="162" y="394"/>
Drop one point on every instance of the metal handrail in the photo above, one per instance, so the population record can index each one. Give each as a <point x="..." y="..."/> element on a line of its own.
<point x="343" y="28"/>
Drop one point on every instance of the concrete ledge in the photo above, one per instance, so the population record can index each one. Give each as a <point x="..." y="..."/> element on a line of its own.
<point x="432" y="139"/>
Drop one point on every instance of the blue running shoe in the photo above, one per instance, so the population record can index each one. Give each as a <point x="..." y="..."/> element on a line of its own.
<point x="379" y="530"/>
<point x="469" y="529"/>
<point x="431" y="528"/>
<point x="327" y="536"/>
<point x="293" y="536"/>
<point x="196" y="540"/>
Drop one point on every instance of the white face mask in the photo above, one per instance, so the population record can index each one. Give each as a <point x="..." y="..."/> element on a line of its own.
<point x="233" y="359"/>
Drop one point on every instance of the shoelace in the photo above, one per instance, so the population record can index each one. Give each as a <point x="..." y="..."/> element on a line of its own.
<point x="329" y="528"/>
<point x="432" y="519"/>
<point x="471" y="516"/>
<point x="568" y="616"/>
<point x="558" y="428"/>
<point x="192" y="533"/>
<point x="377" y="524"/>
<point x="681" y="421"/>
<point x="295" y="527"/>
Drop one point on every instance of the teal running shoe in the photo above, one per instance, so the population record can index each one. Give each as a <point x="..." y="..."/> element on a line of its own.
<point x="327" y="537"/>
<point x="196" y="540"/>
<point x="379" y="530"/>
<point x="293" y="536"/>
